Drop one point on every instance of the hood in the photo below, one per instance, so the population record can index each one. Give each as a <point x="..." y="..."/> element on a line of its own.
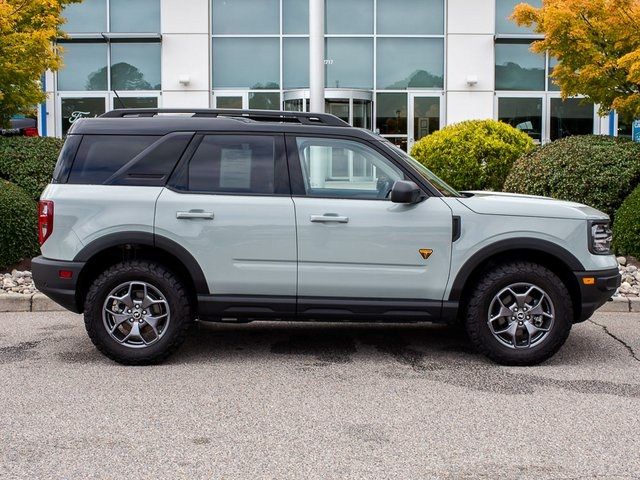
<point x="495" y="203"/>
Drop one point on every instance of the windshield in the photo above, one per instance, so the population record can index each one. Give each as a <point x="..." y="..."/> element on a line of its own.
<point x="442" y="186"/>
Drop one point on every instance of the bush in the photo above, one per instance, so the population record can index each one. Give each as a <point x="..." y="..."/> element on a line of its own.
<point x="473" y="155"/>
<point x="595" y="170"/>
<point x="18" y="224"/>
<point x="626" y="227"/>
<point x="29" y="161"/>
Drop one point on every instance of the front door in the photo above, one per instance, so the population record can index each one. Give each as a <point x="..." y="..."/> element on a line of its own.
<point x="424" y="117"/>
<point x="353" y="242"/>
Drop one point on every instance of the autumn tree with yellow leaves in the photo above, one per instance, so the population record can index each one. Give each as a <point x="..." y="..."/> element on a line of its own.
<point x="28" y="29"/>
<point x="597" y="44"/>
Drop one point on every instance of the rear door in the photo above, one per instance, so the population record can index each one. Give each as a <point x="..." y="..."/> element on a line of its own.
<point x="230" y="206"/>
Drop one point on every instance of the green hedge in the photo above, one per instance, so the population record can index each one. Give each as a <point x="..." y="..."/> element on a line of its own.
<point x="592" y="169"/>
<point x="18" y="225"/>
<point x="29" y="161"/>
<point x="473" y="155"/>
<point x="626" y="227"/>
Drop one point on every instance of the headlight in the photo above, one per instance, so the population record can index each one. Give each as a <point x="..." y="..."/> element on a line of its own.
<point x="600" y="237"/>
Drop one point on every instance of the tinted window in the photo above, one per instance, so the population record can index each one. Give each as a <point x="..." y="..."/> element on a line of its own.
<point x="100" y="156"/>
<point x="65" y="159"/>
<point x="233" y="164"/>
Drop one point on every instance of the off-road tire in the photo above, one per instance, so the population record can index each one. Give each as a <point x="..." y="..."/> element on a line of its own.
<point x="161" y="278"/>
<point x="493" y="281"/>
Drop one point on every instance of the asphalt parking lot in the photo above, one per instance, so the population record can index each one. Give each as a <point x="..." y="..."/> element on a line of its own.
<point x="282" y="400"/>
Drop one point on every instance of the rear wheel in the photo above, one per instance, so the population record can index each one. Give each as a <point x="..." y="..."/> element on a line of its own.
<point x="520" y="313"/>
<point x="137" y="312"/>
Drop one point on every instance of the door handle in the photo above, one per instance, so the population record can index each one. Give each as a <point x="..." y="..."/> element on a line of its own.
<point x="195" y="214"/>
<point x="328" y="218"/>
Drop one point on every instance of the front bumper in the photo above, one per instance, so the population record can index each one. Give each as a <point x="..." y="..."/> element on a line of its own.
<point x="46" y="276"/>
<point x="596" y="293"/>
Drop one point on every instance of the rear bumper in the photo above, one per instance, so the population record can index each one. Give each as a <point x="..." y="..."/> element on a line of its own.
<point x="46" y="276"/>
<point x="595" y="295"/>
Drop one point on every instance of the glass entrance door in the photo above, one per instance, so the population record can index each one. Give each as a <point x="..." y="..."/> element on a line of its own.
<point x="353" y="106"/>
<point x="424" y="117"/>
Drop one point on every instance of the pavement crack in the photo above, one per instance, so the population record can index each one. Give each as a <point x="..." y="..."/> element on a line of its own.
<point x="619" y="340"/>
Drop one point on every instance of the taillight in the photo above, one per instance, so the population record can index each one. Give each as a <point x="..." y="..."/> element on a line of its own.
<point x="30" y="132"/>
<point x="45" y="220"/>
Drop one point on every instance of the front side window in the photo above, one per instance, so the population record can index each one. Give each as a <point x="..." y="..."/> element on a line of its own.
<point x="233" y="164"/>
<point x="338" y="168"/>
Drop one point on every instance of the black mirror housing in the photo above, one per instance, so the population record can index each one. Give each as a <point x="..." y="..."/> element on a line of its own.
<point x="405" y="191"/>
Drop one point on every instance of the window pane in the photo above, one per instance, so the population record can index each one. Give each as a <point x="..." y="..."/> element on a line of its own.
<point x="100" y="156"/>
<point x="85" y="67"/>
<point x="426" y="116"/>
<point x="233" y="163"/>
<point x="229" y="102"/>
<point x="573" y="116"/>
<point x="339" y="108"/>
<point x="504" y="9"/>
<point x="426" y="17"/>
<point x="295" y="16"/>
<point x="296" y="63"/>
<point x="625" y="128"/>
<point x="551" y="84"/>
<point x="135" y="102"/>
<point x="264" y="100"/>
<point x="88" y="16"/>
<point x="410" y="63"/>
<point x="518" y="68"/>
<point x="391" y="113"/>
<point x="345" y="169"/>
<point x="350" y="63"/>
<point x="137" y="16"/>
<point x="525" y="114"/>
<point x="135" y="66"/>
<point x="76" y="108"/>
<point x="246" y="63"/>
<point x="349" y="16"/>
<point x="246" y="16"/>
<point x="362" y="113"/>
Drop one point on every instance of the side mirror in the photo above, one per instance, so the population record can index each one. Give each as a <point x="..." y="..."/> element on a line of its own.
<point x="404" y="191"/>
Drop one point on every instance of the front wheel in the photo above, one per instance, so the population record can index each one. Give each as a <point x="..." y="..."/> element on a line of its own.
<point x="520" y="313"/>
<point x="137" y="312"/>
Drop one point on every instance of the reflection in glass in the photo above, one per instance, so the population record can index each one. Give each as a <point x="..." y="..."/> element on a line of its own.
<point x="295" y="62"/>
<point x="426" y="17"/>
<point x="264" y="100"/>
<point x="295" y="105"/>
<point x="88" y="16"/>
<point x="518" y="68"/>
<point x="338" y="107"/>
<point x="246" y="63"/>
<point x="85" y="67"/>
<point x="525" y="114"/>
<point x="362" y="113"/>
<point x="504" y="10"/>
<point x="135" y="102"/>
<point x="551" y="84"/>
<point x="138" y="16"/>
<point x="295" y="16"/>
<point x="229" y="102"/>
<point x="135" y="66"/>
<point x="573" y="116"/>
<point x="391" y="113"/>
<point x="426" y="116"/>
<point x="410" y="63"/>
<point x="349" y="63"/>
<point x="76" y="108"/>
<point x="625" y="128"/>
<point x="245" y="16"/>
<point x="349" y="16"/>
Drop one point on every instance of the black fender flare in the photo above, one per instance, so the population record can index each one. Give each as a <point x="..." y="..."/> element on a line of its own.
<point x="150" y="240"/>
<point x="543" y="246"/>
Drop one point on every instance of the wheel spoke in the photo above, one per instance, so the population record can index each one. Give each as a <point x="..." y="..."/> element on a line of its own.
<point x="512" y="330"/>
<point x="538" y="310"/>
<point x="135" y="332"/>
<point x="118" y="318"/>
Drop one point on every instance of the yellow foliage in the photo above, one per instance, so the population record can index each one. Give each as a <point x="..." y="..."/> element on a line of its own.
<point x="28" y="29"/>
<point x="597" y="44"/>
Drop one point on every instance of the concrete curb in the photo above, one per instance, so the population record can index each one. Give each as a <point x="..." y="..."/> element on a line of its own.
<point x="622" y="304"/>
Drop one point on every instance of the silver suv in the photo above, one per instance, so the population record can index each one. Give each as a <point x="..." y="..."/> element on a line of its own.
<point x="155" y="218"/>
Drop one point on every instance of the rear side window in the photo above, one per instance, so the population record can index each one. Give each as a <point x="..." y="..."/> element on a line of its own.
<point x="233" y="164"/>
<point x="100" y="156"/>
<point x="65" y="159"/>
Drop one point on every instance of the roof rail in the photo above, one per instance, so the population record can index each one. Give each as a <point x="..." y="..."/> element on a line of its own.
<point x="258" y="115"/>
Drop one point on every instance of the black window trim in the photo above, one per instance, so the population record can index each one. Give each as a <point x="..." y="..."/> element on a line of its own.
<point x="178" y="182"/>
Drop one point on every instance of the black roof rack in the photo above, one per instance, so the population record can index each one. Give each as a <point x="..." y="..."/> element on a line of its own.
<point x="258" y="115"/>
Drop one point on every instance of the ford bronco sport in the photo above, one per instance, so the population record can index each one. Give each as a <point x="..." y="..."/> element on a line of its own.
<point x="155" y="218"/>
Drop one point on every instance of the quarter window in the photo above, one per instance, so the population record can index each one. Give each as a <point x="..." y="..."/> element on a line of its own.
<point x="233" y="164"/>
<point x="345" y="169"/>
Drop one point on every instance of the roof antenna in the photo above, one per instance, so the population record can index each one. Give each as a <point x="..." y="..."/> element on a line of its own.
<point x="106" y="39"/>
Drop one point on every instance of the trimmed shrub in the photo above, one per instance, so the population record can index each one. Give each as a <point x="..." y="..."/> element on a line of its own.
<point x="595" y="170"/>
<point x="626" y="227"/>
<point x="18" y="224"/>
<point x="473" y="155"/>
<point x="29" y="161"/>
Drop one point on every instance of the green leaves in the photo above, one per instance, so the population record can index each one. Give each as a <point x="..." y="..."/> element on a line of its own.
<point x="473" y="155"/>
<point x="626" y="227"/>
<point x="18" y="225"/>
